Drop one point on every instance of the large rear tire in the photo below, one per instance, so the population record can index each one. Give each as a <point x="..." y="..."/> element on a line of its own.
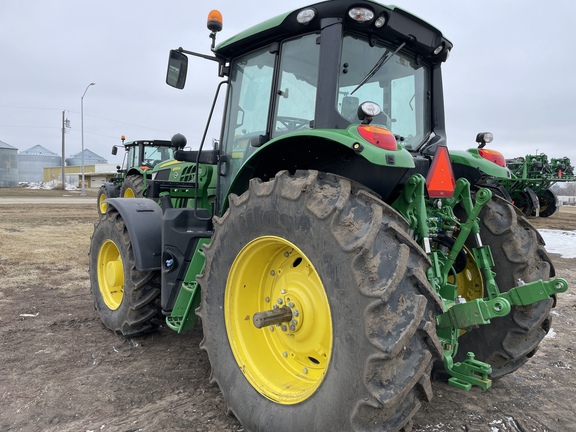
<point x="124" y="296"/>
<point x="358" y="350"/>
<point x="132" y="187"/>
<point x="519" y="254"/>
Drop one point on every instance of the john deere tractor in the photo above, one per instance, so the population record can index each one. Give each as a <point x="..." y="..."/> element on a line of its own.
<point x="139" y="160"/>
<point x="338" y="255"/>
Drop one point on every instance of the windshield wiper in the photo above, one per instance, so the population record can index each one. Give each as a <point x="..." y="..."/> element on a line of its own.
<point x="381" y="62"/>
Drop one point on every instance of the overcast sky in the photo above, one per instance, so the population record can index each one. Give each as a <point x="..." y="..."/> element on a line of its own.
<point x="511" y="72"/>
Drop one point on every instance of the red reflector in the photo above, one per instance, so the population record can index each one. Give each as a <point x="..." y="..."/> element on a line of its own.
<point x="440" y="179"/>
<point x="493" y="156"/>
<point x="378" y="136"/>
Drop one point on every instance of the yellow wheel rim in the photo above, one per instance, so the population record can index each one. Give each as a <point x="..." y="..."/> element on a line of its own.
<point x="101" y="204"/>
<point x="129" y="193"/>
<point x="469" y="281"/>
<point x="285" y="362"/>
<point x="110" y="275"/>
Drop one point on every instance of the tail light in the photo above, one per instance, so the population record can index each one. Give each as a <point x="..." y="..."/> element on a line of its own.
<point x="378" y="136"/>
<point x="440" y="179"/>
<point x="492" y="156"/>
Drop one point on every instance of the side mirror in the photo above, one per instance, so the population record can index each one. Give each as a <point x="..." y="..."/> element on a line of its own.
<point x="177" y="69"/>
<point x="114" y="150"/>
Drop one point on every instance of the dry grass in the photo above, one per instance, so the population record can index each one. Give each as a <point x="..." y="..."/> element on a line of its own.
<point x="39" y="246"/>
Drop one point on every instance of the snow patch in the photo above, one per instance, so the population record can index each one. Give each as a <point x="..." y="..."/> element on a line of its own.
<point x="560" y="242"/>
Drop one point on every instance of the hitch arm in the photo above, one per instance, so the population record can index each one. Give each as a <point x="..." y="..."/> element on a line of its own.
<point x="528" y="293"/>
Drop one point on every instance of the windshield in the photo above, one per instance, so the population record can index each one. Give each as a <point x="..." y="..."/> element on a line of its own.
<point x="400" y="87"/>
<point x="153" y="155"/>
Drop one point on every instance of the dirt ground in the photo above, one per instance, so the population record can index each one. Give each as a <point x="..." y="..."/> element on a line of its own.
<point x="61" y="370"/>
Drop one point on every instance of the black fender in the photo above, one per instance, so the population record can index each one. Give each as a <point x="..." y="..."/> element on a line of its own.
<point x="143" y="219"/>
<point x="112" y="191"/>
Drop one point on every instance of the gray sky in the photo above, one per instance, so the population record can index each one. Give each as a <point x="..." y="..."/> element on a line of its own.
<point x="511" y="71"/>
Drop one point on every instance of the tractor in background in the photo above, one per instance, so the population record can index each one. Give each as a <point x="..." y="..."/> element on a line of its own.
<point x="140" y="158"/>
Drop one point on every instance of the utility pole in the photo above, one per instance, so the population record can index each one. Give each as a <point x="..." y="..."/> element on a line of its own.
<point x="65" y="125"/>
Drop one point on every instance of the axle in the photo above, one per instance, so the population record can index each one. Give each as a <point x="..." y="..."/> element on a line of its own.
<point x="272" y="317"/>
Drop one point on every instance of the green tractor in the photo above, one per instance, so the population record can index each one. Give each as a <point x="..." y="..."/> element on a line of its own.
<point x="338" y="255"/>
<point x="140" y="159"/>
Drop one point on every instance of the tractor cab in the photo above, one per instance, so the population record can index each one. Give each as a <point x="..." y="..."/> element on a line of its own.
<point x="338" y="86"/>
<point x="144" y="155"/>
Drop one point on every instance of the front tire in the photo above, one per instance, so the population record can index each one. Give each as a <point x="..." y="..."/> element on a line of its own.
<point x="132" y="187"/>
<point x="363" y="341"/>
<point x="124" y="296"/>
<point x="519" y="254"/>
<point x="102" y="195"/>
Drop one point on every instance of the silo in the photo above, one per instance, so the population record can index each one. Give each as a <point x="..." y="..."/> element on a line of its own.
<point x="90" y="158"/>
<point x="31" y="163"/>
<point x="8" y="165"/>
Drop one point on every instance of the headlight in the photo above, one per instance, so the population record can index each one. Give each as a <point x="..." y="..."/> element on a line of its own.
<point x="305" y="16"/>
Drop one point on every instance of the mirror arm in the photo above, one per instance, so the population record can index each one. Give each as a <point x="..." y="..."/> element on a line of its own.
<point x="204" y="56"/>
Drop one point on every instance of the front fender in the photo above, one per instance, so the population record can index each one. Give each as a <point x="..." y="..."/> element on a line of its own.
<point x="112" y="190"/>
<point x="143" y="220"/>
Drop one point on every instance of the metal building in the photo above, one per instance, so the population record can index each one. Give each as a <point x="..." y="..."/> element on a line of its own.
<point x="8" y="165"/>
<point x="31" y="163"/>
<point x="90" y="158"/>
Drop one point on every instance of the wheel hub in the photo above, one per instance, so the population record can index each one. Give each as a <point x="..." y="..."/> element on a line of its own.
<point x="114" y="275"/>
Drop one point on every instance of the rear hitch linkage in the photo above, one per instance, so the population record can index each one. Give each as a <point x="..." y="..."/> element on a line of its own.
<point x="430" y="219"/>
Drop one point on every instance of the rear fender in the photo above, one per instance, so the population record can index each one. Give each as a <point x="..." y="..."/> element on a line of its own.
<point x="341" y="152"/>
<point x="472" y="159"/>
<point x="143" y="220"/>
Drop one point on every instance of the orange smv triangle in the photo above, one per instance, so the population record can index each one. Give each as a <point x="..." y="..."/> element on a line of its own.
<point x="440" y="179"/>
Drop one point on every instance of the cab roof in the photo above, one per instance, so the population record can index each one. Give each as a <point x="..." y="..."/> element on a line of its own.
<point x="401" y="26"/>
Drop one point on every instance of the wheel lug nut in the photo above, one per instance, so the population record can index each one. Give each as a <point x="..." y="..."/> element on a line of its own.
<point x="295" y="312"/>
<point x="280" y="301"/>
<point x="292" y="328"/>
<point x="267" y="299"/>
<point x="271" y="328"/>
<point x="291" y="304"/>
<point x="284" y="354"/>
<point x="305" y="370"/>
<point x="284" y="328"/>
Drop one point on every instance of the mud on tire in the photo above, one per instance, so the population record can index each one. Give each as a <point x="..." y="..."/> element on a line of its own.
<point x="518" y="251"/>
<point x="124" y="296"/>
<point x="382" y="306"/>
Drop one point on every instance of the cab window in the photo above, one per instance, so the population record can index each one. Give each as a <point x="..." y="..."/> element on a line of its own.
<point x="298" y="81"/>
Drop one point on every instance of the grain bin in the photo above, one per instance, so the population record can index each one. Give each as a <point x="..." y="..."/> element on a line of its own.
<point x="31" y="163"/>
<point x="8" y="165"/>
<point x="90" y="158"/>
